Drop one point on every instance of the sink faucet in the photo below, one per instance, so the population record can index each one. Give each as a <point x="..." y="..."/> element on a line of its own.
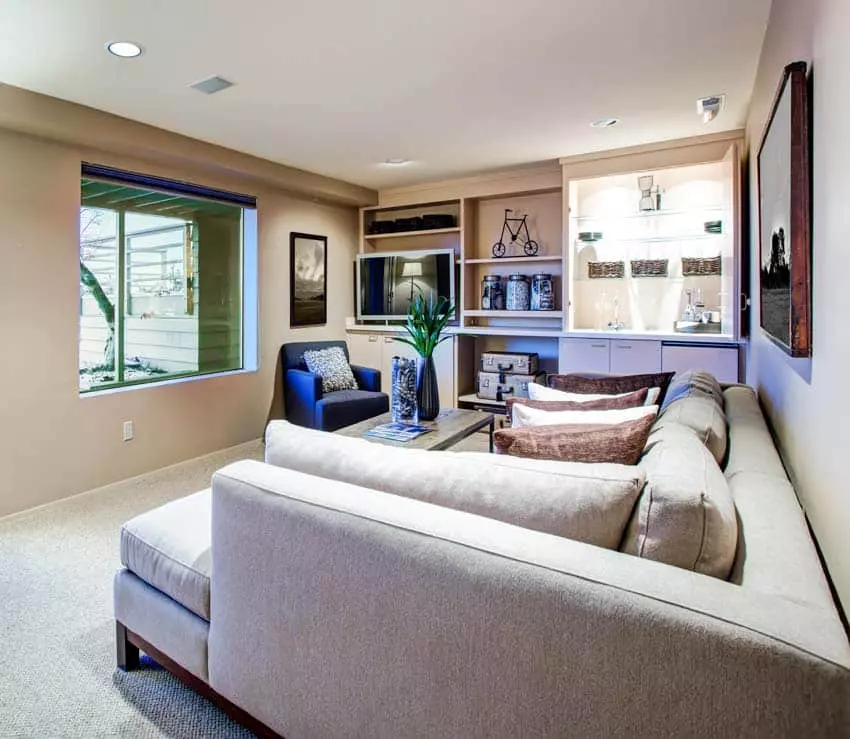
<point x="689" y="308"/>
<point x="616" y="324"/>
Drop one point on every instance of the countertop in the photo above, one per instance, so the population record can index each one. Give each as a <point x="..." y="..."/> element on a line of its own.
<point x="666" y="336"/>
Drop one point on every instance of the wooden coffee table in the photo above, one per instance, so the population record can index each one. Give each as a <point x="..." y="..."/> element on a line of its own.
<point x="452" y="425"/>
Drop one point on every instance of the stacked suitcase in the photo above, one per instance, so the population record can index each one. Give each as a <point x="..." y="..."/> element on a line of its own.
<point x="507" y="374"/>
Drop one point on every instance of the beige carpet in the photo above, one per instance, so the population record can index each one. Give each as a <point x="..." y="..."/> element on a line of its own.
<point x="57" y="658"/>
<point x="57" y="653"/>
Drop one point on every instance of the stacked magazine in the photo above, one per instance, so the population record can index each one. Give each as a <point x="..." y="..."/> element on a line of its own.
<point x="397" y="431"/>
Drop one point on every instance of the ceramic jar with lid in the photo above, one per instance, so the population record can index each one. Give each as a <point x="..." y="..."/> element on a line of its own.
<point x="518" y="293"/>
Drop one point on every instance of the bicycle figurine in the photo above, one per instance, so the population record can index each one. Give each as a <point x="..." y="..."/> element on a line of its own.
<point x="529" y="246"/>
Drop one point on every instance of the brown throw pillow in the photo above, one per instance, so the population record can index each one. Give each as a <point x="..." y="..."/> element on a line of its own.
<point x="611" y="384"/>
<point x="621" y="443"/>
<point x="632" y="400"/>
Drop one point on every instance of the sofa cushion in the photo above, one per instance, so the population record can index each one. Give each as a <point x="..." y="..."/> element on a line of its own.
<point x="700" y="413"/>
<point x="589" y="503"/>
<point x="776" y="553"/>
<point x="611" y="384"/>
<point x="685" y="516"/>
<point x="694" y="383"/>
<point x="169" y="548"/>
<point x="345" y="407"/>
<point x="620" y="443"/>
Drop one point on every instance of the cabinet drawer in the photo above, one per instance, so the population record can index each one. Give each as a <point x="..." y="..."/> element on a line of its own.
<point x="635" y="357"/>
<point x="721" y="361"/>
<point x="584" y="355"/>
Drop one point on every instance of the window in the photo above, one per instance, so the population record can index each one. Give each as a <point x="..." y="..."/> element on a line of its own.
<point x="167" y="280"/>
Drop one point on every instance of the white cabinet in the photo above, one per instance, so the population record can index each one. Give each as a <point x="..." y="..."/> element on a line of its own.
<point x="377" y="350"/>
<point x="584" y="355"/>
<point x="635" y="357"/>
<point x="365" y="349"/>
<point x="643" y="356"/>
<point x="609" y="356"/>
<point x="721" y="361"/>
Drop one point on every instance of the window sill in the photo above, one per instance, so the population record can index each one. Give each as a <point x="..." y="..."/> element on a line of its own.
<point x="163" y="383"/>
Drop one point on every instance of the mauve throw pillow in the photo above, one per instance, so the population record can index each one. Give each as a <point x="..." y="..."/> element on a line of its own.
<point x="612" y="384"/>
<point x="621" y="443"/>
<point x="609" y="403"/>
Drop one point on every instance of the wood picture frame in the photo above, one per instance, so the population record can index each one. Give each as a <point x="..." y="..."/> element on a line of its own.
<point x="785" y="217"/>
<point x="308" y="280"/>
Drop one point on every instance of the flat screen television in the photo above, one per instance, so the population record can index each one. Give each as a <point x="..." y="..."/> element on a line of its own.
<point x="387" y="282"/>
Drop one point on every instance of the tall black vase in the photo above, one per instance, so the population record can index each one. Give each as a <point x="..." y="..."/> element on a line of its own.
<point x="427" y="394"/>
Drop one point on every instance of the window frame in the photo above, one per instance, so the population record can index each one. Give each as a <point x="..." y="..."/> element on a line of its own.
<point x="248" y="276"/>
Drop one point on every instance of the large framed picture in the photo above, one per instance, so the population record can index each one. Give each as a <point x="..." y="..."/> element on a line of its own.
<point x="785" y="249"/>
<point x="308" y="280"/>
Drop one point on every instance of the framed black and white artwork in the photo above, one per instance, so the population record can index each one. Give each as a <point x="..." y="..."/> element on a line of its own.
<point x="785" y="229"/>
<point x="308" y="280"/>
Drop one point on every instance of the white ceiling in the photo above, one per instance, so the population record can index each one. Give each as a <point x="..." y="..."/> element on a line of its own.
<point x="337" y="86"/>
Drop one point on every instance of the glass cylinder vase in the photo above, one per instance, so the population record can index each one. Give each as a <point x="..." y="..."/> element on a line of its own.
<point x="403" y="391"/>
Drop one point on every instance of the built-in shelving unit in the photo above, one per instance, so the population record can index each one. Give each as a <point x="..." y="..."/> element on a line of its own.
<point x="517" y="260"/>
<point x="593" y="215"/>
<point x="408" y="234"/>
<point x="532" y="314"/>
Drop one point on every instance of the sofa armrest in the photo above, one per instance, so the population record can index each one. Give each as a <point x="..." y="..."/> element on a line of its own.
<point x="442" y="623"/>
<point x="367" y="378"/>
<point x="303" y="391"/>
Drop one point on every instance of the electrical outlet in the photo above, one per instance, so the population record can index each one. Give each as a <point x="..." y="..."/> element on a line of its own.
<point x="128" y="431"/>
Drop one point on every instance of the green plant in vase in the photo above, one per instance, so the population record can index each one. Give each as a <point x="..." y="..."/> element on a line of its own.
<point x="426" y="321"/>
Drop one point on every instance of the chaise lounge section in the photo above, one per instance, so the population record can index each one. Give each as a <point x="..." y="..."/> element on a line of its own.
<point x="314" y="607"/>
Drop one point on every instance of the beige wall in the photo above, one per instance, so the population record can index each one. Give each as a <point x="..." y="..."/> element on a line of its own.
<point x="805" y="398"/>
<point x="53" y="443"/>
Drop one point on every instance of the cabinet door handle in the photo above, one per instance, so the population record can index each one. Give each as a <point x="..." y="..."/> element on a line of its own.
<point x="373" y="338"/>
<point x="598" y="346"/>
<point x="388" y="340"/>
<point x="623" y="346"/>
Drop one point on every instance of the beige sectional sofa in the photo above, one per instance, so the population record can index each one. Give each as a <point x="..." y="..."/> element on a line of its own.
<point x="318" y="598"/>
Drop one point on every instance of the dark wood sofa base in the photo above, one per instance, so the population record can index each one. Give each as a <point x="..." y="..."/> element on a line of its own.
<point x="127" y="646"/>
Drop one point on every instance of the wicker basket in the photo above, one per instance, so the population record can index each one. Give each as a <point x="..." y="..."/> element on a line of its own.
<point x="649" y="268"/>
<point x="705" y="267"/>
<point x="598" y="270"/>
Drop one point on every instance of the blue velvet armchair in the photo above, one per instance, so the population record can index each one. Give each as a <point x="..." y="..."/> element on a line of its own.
<point x="307" y="405"/>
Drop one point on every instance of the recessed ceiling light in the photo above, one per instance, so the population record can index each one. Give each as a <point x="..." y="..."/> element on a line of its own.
<point x="395" y="162"/>
<point x="124" y="49"/>
<point x="605" y="123"/>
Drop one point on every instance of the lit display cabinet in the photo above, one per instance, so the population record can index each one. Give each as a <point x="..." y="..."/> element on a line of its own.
<point x="655" y="251"/>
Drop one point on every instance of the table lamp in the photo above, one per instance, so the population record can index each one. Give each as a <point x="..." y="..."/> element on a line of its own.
<point x="411" y="270"/>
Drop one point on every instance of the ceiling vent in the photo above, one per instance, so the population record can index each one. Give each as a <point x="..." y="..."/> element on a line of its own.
<point x="211" y="85"/>
<point x="709" y="107"/>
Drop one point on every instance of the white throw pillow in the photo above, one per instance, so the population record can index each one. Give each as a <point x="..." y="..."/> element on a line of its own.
<point x="525" y="416"/>
<point x="541" y="392"/>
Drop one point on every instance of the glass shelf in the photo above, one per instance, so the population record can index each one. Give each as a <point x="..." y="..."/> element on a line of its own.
<point x="651" y="214"/>
<point x="580" y="245"/>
